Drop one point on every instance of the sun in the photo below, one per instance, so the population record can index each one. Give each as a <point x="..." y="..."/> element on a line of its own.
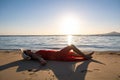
<point x="70" y="25"/>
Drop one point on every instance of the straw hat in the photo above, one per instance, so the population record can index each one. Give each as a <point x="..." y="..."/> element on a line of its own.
<point x="24" y="56"/>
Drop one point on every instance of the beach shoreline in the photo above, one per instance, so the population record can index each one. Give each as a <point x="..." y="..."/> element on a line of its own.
<point x="103" y="66"/>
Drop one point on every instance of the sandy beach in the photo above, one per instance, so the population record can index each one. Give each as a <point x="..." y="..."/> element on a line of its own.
<point x="105" y="65"/>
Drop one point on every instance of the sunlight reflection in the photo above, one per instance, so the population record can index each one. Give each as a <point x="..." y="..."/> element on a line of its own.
<point x="69" y="37"/>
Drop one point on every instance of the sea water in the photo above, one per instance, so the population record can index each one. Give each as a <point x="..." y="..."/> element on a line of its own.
<point x="96" y="43"/>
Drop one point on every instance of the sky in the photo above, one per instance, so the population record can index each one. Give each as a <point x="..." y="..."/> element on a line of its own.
<point x="58" y="17"/>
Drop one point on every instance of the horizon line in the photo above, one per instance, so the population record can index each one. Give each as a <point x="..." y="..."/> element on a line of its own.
<point x="56" y="34"/>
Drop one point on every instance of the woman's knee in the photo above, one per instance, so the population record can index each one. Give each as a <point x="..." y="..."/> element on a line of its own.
<point x="66" y="49"/>
<point x="72" y="46"/>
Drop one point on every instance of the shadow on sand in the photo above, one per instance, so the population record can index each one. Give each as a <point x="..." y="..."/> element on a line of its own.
<point x="61" y="70"/>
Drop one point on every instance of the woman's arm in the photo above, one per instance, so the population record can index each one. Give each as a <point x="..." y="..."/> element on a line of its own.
<point x="39" y="58"/>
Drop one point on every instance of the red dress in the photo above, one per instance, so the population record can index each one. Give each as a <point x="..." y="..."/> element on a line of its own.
<point x="62" y="55"/>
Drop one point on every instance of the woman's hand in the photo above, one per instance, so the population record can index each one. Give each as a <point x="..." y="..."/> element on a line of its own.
<point x="43" y="62"/>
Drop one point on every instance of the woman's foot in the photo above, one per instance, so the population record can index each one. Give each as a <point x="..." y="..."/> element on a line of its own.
<point x="89" y="56"/>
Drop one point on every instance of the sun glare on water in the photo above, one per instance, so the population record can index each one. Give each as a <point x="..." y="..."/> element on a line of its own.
<point x="69" y="37"/>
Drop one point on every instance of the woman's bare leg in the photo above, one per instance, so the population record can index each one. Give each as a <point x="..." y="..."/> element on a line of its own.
<point x="75" y="49"/>
<point x="66" y="50"/>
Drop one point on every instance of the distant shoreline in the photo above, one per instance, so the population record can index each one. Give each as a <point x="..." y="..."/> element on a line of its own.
<point x="51" y="35"/>
<point x="114" y="33"/>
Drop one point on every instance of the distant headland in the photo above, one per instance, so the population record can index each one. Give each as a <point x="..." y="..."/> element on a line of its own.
<point x="114" y="33"/>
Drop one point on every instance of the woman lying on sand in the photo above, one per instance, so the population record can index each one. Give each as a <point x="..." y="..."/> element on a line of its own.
<point x="64" y="54"/>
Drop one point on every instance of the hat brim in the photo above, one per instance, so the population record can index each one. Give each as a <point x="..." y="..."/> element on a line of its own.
<point x="24" y="56"/>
